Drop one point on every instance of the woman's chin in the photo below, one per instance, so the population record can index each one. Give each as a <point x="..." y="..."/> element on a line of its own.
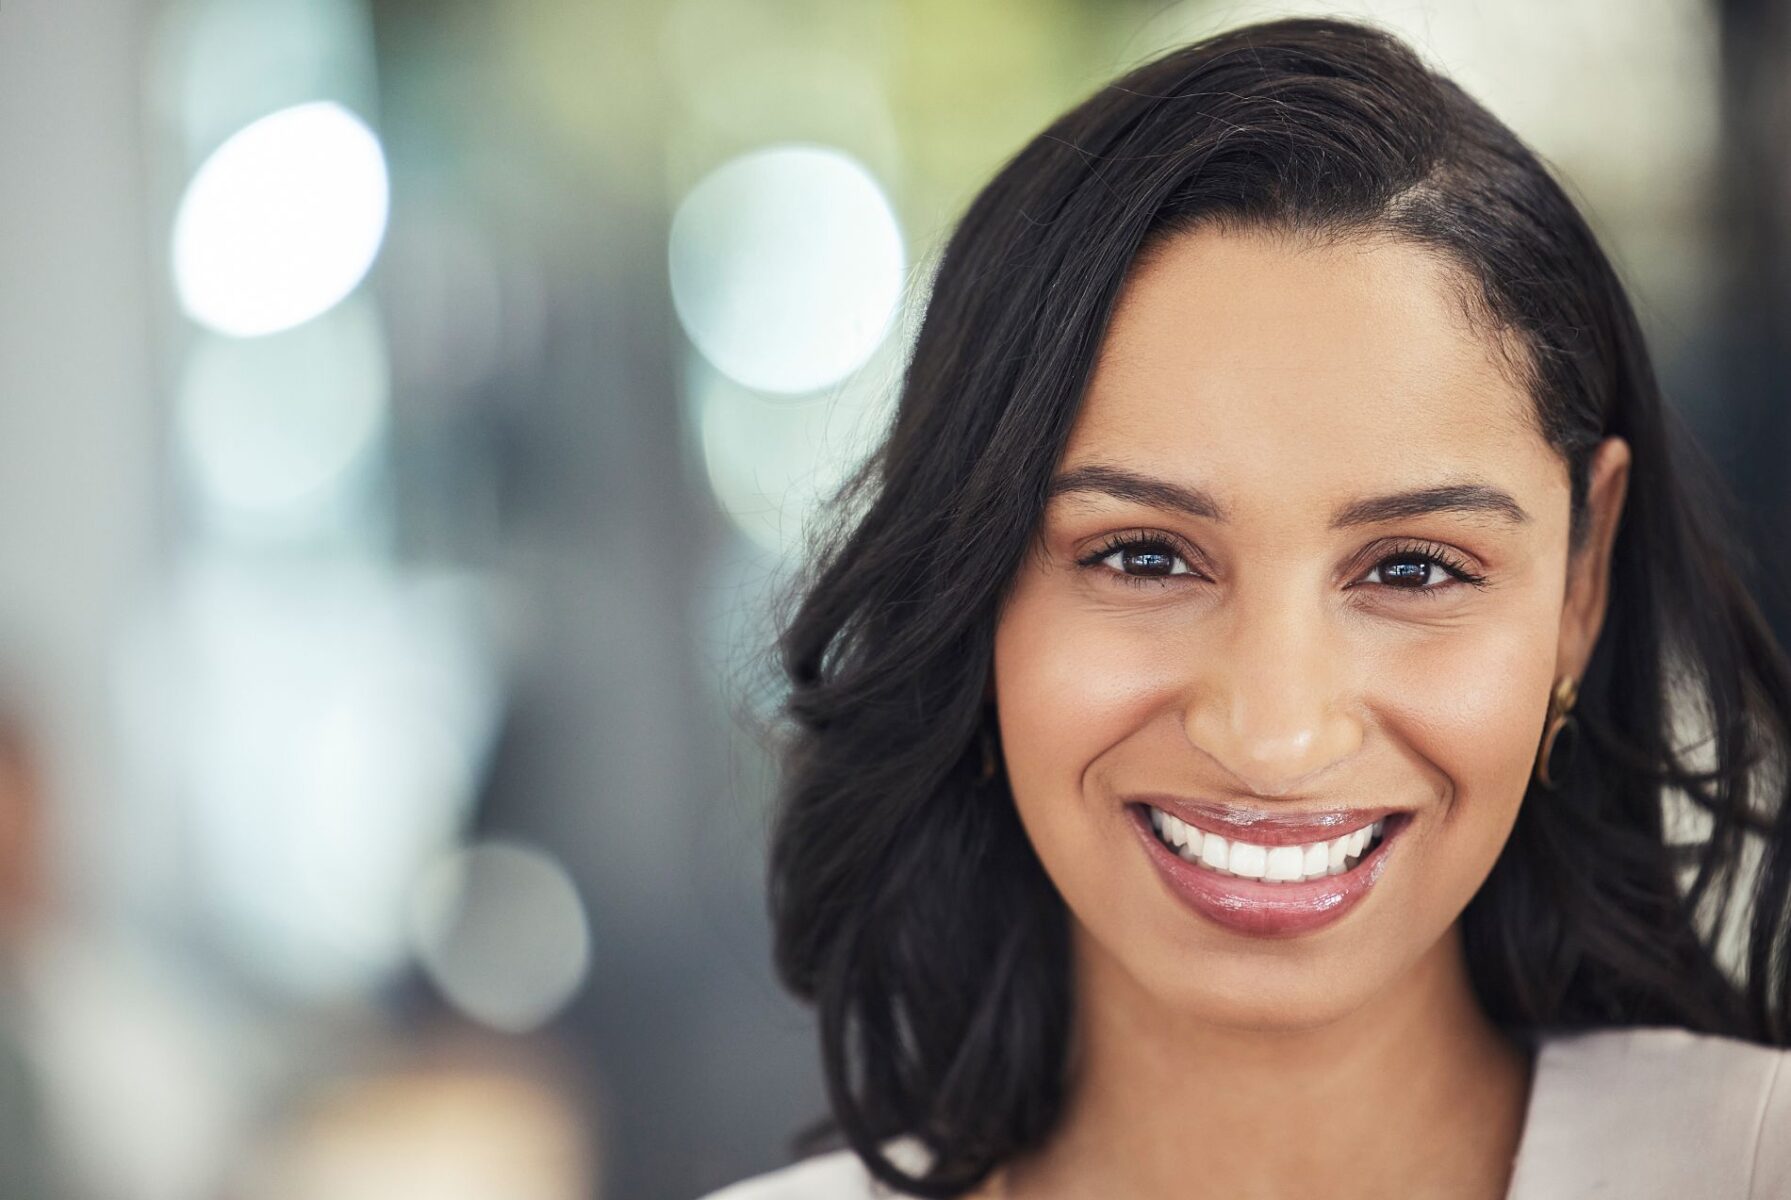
<point x="1242" y="988"/>
<point x="1291" y="1001"/>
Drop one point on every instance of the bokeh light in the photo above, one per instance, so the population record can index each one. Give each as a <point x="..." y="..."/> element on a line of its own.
<point x="272" y="427"/>
<point x="323" y="727"/>
<point x="787" y="265"/>
<point x="282" y="221"/>
<point x="501" y="930"/>
<point x="771" y="462"/>
<point x="443" y="1130"/>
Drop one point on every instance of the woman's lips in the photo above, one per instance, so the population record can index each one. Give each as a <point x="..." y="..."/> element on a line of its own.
<point x="1263" y="909"/>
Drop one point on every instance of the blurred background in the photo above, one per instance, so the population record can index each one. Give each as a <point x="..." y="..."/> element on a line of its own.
<point x="408" y="409"/>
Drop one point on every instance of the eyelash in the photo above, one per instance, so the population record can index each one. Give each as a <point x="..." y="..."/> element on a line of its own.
<point x="1422" y="552"/>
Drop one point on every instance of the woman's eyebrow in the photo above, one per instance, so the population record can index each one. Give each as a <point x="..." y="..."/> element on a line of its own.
<point x="1467" y="496"/>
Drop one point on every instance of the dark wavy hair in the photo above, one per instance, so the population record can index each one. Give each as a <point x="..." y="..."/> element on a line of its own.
<point x="908" y="905"/>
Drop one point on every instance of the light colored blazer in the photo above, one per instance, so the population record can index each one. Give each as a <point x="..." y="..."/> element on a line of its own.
<point x="1649" y="1113"/>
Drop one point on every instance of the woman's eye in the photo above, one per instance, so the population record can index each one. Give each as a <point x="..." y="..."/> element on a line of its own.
<point x="1423" y="571"/>
<point x="1140" y="560"/>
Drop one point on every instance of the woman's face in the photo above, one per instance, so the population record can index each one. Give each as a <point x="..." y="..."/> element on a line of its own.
<point x="1220" y="616"/>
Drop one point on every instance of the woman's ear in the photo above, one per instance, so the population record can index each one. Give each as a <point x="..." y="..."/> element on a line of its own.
<point x="1589" y="577"/>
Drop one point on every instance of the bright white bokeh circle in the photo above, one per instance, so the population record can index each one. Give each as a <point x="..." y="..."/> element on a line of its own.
<point x="500" y="929"/>
<point x="787" y="265"/>
<point x="282" y="221"/>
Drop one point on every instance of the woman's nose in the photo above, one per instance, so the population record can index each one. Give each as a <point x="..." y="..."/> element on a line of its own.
<point x="1265" y="699"/>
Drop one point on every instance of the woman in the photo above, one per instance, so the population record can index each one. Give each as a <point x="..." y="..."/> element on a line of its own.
<point x="1230" y="736"/>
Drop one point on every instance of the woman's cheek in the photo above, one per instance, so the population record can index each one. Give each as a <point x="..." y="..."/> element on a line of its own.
<point x="1064" y="691"/>
<point x="1060" y="701"/>
<point x="1465" y="708"/>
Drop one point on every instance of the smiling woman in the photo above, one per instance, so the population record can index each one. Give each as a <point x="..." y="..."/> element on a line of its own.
<point x="1235" y="736"/>
<point x="1302" y="628"/>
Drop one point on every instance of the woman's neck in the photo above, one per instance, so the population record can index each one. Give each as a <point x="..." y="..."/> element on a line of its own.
<point x="1414" y="1094"/>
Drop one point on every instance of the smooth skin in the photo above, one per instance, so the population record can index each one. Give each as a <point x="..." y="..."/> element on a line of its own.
<point x="1273" y="660"/>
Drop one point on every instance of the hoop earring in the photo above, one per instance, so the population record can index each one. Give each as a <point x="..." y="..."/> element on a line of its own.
<point x="1559" y="719"/>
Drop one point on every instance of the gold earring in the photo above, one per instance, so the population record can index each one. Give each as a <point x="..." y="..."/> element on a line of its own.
<point x="1559" y="718"/>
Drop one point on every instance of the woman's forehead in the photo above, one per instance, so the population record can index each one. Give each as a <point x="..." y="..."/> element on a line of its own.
<point x="1247" y="351"/>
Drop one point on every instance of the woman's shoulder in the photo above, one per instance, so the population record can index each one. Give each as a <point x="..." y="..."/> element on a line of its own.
<point x="834" y="1175"/>
<point x="1666" y="1107"/>
<point x="1644" y="1044"/>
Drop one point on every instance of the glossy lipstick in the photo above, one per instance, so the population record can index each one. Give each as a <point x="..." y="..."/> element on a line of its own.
<point x="1259" y="908"/>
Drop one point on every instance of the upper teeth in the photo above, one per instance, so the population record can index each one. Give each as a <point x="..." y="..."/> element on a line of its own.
<point x="1276" y="864"/>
